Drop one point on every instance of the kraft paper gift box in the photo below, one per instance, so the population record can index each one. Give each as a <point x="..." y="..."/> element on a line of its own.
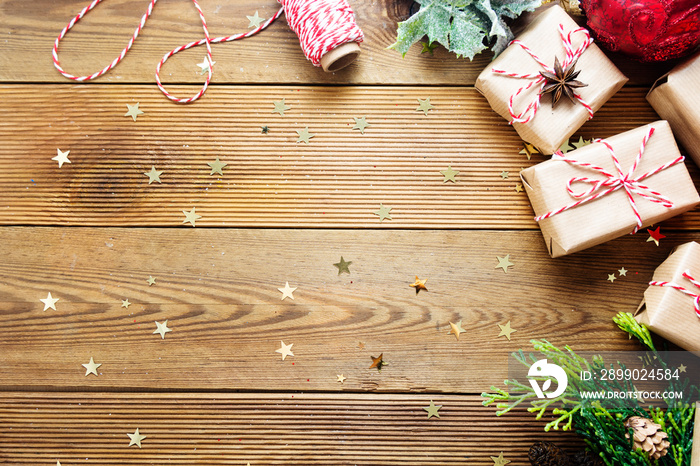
<point x="549" y="128"/>
<point x="676" y="98"/>
<point x="608" y="216"/>
<point x="668" y="311"/>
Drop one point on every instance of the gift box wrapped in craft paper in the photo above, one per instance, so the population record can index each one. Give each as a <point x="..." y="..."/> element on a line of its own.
<point x="671" y="305"/>
<point x="676" y="98"/>
<point x="555" y="45"/>
<point x="609" y="188"/>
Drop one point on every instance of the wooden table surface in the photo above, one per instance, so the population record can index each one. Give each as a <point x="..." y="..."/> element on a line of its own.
<point x="214" y="391"/>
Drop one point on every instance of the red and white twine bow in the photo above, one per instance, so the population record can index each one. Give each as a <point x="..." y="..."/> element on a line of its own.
<point x="320" y="24"/>
<point x="537" y="79"/>
<point x="695" y="296"/>
<point x="613" y="182"/>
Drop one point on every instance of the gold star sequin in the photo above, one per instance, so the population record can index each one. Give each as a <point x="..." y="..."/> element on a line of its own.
<point x="217" y="166"/>
<point x="49" y="302"/>
<point x="419" y="284"/>
<point x="205" y="65"/>
<point x="581" y="142"/>
<point x="287" y="291"/>
<point x="565" y="147"/>
<point x="304" y="135"/>
<point x="529" y="150"/>
<point x="611" y="277"/>
<point x="151" y="281"/>
<point x="623" y="272"/>
<point x="126" y="303"/>
<point x="136" y="438"/>
<point x="343" y="266"/>
<point x="377" y="362"/>
<point x="191" y="216"/>
<point x="61" y="158"/>
<point x="133" y="111"/>
<point x="91" y="367"/>
<point x="456" y="328"/>
<point x="506" y="330"/>
<point x="383" y="212"/>
<point x="449" y="175"/>
<point x="433" y="410"/>
<point x="341" y="378"/>
<point x="504" y="263"/>
<point x="424" y="106"/>
<point x="153" y="175"/>
<point x="162" y="329"/>
<point x="255" y="20"/>
<point x="280" y="107"/>
<point x="361" y="124"/>
<point x="504" y="175"/>
<point x="499" y="460"/>
<point x="519" y="188"/>
<point x="285" y="350"/>
<point x="682" y="368"/>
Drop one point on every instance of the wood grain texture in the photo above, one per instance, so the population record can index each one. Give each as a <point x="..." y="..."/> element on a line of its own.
<point x="262" y="429"/>
<point x="338" y="180"/>
<point x="218" y="288"/>
<point x="273" y="56"/>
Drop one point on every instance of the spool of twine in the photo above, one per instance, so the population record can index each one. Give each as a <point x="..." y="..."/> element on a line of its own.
<point x="327" y="31"/>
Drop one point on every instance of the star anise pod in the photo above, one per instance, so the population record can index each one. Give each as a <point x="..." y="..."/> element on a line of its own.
<point x="561" y="82"/>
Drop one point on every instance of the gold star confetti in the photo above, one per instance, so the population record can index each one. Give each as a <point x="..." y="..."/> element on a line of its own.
<point x="377" y="362"/>
<point x="304" y="135"/>
<point x="361" y="124"/>
<point x="58" y="463"/>
<point x="504" y="263"/>
<point x="519" y="188"/>
<point x="419" y="284"/>
<point x="433" y="410"/>
<point x="622" y="272"/>
<point x="655" y="235"/>
<point x="162" y="329"/>
<point x="341" y="378"/>
<point x="126" y="303"/>
<point x="285" y="350"/>
<point x="153" y="175"/>
<point x="682" y="368"/>
<point x="424" y="106"/>
<point x="205" y="65"/>
<point x="136" y="438"/>
<point x="504" y="175"/>
<point x="91" y="367"/>
<point x="383" y="212"/>
<point x="255" y="20"/>
<point x="581" y="142"/>
<point x="151" y="281"/>
<point x="499" y="460"/>
<point x="611" y="277"/>
<point x="529" y="150"/>
<point x="343" y="266"/>
<point x="133" y="111"/>
<point x="280" y="107"/>
<point x="428" y="47"/>
<point x="449" y="175"/>
<point x="287" y="291"/>
<point x="265" y="129"/>
<point x="191" y="216"/>
<point x="456" y="328"/>
<point x="61" y="158"/>
<point x="565" y="147"/>
<point x="506" y="330"/>
<point x="216" y="166"/>
<point x="49" y="302"/>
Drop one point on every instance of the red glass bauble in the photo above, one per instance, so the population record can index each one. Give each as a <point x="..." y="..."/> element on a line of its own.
<point x="648" y="30"/>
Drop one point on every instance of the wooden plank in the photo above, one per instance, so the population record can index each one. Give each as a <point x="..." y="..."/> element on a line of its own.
<point x="274" y="56"/>
<point x="338" y="180"/>
<point x="218" y="289"/>
<point x="262" y="428"/>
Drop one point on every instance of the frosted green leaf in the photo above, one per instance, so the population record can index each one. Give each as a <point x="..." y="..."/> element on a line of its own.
<point x="465" y="27"/>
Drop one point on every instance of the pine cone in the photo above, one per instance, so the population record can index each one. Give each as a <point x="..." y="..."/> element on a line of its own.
<point x="648" y="436"/>
<point x="586" y="458"/>
<point x="547" y="454"/>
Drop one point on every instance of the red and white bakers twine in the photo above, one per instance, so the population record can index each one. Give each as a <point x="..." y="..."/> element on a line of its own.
<point x="321" y="25"/>
<point x="695" y="296"/>
<point x="571" y="55"/>
<point x="611" y="183"/>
